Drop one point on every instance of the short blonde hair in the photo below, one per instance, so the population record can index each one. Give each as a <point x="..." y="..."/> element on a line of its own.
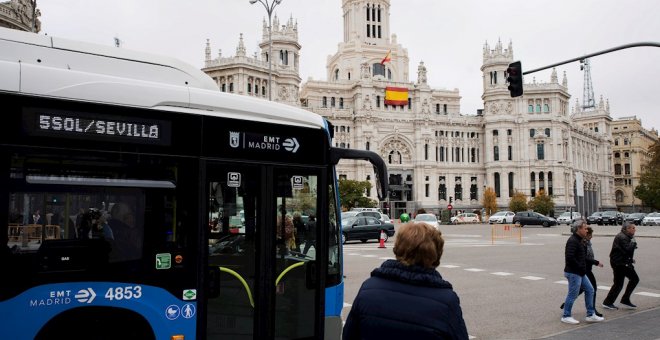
<point x="419" y="244"/>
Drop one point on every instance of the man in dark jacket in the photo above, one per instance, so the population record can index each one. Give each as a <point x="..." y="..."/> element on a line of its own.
<point x="621" y="259"/>
<point x="575" y="270"/>
<point x="407" y="298"/>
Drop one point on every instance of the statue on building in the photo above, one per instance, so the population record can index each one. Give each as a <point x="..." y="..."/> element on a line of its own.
<point x="364" y="70"/>
<point x="366" y="104"/>
<point x="421" y="73"/>
<point x="426" y="107"/>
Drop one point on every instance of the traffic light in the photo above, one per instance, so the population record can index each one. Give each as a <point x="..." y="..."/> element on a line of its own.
<point x="451" y="199"/>
<point x="515" y="79"/>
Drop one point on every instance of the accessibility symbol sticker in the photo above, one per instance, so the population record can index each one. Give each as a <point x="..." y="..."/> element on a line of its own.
<point x="188" y="310"/>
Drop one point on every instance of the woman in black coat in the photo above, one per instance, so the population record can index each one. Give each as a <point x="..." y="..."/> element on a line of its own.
<point x="407" y="298"/>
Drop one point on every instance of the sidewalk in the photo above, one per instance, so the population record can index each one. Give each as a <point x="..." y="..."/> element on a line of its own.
<point x="642" y="325"/>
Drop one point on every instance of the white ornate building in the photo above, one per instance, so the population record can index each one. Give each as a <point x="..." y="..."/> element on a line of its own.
<point x="434" y="152"/>
<point x="20" y="15"/>
<point x="246" y="75"/>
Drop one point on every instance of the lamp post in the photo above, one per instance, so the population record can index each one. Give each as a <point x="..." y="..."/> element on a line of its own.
<point x="270" y="6"/>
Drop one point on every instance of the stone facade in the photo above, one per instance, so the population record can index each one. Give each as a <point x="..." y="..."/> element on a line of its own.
<point x="631" y="143"/>
<point x="19" y="14"/>
<point x="246" y="75"/>
<point x="434" y="152"/>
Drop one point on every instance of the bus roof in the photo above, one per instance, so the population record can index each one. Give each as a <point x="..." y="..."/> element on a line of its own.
<point x="45" y="66"/>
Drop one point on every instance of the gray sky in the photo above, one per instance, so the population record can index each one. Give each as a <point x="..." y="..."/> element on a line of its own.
<point x="447" y="35"/>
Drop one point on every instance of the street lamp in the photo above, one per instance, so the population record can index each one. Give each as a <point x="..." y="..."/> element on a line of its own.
<point x="270" y="6"/>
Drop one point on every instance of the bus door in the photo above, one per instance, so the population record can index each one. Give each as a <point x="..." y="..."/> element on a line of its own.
<point x="262" y="280"/>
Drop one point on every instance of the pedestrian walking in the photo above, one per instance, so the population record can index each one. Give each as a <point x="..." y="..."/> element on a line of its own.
<point x="591" y="261"/>
<point x="407" y="298"/>
<point x="575" y="270"/>
<point x="622" y="262"/>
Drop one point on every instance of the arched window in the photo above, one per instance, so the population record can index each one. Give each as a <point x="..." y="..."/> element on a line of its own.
<point x="324" y="103"/>
<point x="496" y="152"/>
<point x="510" y="184"/>
<point x="617" y="155"/>
<point x="616" y="141"/>
<point x="341" y="102"/>
<point x="532" y="184"/>
<point x="550" y="183"/>
<point x="378" y="69"/>
<point x="337" y="74"/>
<point x="546" y="108"/>
<point x="394" y="157"/>
<point x="547" y="132"/>
<point x="332" y="102"/>
<point x="619" y="196"/>
<point x="530" y="109"/>
<point x="496" y="178"/>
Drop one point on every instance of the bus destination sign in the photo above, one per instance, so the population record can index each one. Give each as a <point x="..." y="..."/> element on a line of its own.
<point x="92" y="126"/>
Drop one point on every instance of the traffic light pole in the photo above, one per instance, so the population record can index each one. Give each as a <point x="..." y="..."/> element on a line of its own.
<point x="622" y="47"/>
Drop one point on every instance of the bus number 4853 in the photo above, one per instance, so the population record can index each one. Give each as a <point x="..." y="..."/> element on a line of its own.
<point x="123" y="293"/>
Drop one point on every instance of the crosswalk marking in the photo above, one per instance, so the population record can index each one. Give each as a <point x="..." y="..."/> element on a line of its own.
<point x="502" y="273"/>
<point x="474" y="270"/>
<point x="532" y="278"/>
<point x="648" y="294"/>
<point x="449" y="266"/>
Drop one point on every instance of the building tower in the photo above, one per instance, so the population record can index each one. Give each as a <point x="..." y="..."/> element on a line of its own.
<point x="245" y="75"/>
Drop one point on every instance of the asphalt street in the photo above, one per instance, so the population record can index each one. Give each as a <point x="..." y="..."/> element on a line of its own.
<point x="512" y="288"/>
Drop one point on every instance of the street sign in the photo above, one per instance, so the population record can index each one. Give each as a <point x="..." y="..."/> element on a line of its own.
<point x="449" y="206"/>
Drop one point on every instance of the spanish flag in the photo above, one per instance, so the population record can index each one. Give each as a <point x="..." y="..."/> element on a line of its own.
<point x="387" y="58"/>
<point x="396" y="95"/>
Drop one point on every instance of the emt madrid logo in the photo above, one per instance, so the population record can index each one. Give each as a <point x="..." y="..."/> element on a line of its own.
<point x="261" y="142"/>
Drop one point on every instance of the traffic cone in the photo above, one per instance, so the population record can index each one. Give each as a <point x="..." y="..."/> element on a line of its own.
<point x="382" y="239"/>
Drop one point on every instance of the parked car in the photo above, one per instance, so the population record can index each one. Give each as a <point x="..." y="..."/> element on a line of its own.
<point x="354" y="213"/>
<point x="595" y="218"/>
<point x="651" y="219"/>
<point x="568" y="217"/>
<point x="364" y="228"/>
<point x="611" y="217"/>
<point x="429" y="219"/>
<point x="524" y="218"/>
<point x="502" y="217"/>
<point x="465" y="218"/>
<point x="635" y="218"/>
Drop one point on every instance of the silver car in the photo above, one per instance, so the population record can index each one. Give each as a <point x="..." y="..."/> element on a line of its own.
<point x="565" y="217"/>
<point x="428" y="219"/>
<point x="502" y="217"/>
<point x="651" y="219"/>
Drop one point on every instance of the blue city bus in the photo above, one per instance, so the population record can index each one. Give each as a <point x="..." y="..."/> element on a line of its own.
<point x="143" y="203"/>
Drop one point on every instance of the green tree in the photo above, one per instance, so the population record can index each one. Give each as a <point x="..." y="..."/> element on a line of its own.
<point x="489" y="202"/>
<point x="518" y="202"/>
<point x="648" y="189"/>
<point x="353" y="194"/>
<point x="542" y="203"/>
